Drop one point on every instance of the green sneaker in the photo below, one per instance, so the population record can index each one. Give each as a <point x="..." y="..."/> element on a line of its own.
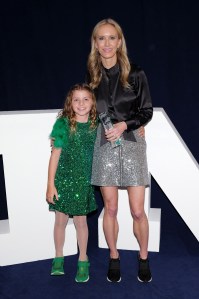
<point x="58" y="266"/>
<point x="82" y="271"/>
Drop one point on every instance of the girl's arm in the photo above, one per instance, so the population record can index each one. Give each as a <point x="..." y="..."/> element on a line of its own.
<point x="52" y="168"/>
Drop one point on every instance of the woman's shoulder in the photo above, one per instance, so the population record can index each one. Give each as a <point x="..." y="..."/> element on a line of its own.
<point x="136" y="73"/>
<point x="135" y="68"/>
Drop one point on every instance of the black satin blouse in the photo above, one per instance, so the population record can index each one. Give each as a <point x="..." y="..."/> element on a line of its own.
<point x="132" y="105"/>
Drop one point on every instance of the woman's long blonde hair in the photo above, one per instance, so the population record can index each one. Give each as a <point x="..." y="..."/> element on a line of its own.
<point x="68" y="112"/>
<point x="94" y="59"/>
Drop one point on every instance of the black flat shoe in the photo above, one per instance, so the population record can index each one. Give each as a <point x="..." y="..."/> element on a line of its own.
<point x="144" y="273"/>
<point x="113" y="274"/>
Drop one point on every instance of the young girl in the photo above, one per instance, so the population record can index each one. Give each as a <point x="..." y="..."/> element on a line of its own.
<point x="69" y="191"/>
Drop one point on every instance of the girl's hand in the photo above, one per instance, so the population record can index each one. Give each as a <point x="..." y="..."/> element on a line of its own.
<point x="141" y="131"/>
<point x="116" y="132"/>
<point x="50" y="193"/>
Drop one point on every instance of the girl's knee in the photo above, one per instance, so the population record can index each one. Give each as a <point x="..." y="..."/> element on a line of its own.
<point x="80" y="221"/>
<point x="61" y="219"/>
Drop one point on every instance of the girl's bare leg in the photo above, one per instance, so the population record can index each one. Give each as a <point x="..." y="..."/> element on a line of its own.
<point x="61" y="221"/>
<point x="82" y="236"/>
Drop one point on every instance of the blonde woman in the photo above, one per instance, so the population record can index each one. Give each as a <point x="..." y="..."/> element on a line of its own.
<point x="122" y="91"/>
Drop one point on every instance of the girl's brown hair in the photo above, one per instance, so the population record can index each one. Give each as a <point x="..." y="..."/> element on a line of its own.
<point x="94" y="60"/>
<point x="68" y="112"/>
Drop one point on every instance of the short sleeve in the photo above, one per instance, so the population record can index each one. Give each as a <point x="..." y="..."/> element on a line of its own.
<point x="59" y="133"/>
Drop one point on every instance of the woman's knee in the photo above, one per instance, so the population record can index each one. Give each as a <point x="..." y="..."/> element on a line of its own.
<point x="111" y="211"/>
<point x="110" y="197"/>
<point x="138" y="214"/>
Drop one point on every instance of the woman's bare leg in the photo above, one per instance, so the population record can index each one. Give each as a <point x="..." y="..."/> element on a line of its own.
<point x="140" y="221"/>
<point x="110" y="224"/>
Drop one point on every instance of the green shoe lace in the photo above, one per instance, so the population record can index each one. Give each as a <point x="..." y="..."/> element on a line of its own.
<point x="82" y="271"/>
<point x="58" y="266"/>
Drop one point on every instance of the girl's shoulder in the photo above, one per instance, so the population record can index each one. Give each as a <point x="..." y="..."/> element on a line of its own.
<point x="61" y="125"/>
<point x="61" y="122"/>
<point x="60" y="132"/>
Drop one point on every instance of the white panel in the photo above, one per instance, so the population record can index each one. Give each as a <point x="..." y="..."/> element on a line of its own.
<point x="4" y="226"/>
<point x="24" y="145"/>
<point x="174" y="168"/>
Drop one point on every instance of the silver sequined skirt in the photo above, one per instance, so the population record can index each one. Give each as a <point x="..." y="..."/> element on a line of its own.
<point x="125" y="165"/>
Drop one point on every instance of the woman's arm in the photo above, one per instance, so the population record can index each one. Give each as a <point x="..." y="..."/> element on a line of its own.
<point x="52" y="168"/>
<point x="144" y="104"/>
<point x="118" y="129"/>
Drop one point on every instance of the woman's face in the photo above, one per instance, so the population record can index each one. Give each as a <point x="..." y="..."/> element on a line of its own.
<point x="107" y="42"/>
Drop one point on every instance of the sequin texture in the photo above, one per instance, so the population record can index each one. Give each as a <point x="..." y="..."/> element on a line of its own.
<point x="123" y="166"/>
<point x="73" y="176"/>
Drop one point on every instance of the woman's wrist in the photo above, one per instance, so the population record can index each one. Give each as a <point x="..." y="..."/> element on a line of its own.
<point x="125" y="125"/>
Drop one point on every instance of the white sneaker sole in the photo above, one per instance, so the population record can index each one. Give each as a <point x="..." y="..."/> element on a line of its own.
<point x="82" y="281"/>
<point x="114" y="281"/>
<point x="144" y="281"/>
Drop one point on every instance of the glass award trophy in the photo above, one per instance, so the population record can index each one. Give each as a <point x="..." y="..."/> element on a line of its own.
<point x="107" y="124"/>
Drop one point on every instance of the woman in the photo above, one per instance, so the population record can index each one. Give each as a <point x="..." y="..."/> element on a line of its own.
<point x="121" y="89"/>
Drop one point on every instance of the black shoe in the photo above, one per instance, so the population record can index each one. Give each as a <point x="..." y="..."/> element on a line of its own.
<point x="113" y="274"/>
<point x="144" y="273"/>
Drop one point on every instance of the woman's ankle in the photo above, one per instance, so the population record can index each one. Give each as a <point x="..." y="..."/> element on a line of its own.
<point x="114" y="255"/>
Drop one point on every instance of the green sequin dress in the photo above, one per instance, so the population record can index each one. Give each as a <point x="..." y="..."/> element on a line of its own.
<point x="73" y="175"/>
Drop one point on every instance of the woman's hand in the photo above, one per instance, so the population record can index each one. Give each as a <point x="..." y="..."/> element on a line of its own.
<point x="50" y="193"/>
<point x="141" y="131"/>
<point x="116" y="132"/>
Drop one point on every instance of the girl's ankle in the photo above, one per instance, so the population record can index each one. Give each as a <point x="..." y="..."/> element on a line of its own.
<point x="83" y="258"/>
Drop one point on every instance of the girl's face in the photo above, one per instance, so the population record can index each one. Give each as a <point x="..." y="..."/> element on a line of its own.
<point x="107" y="42"/>
<point x="82" y="103"/>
